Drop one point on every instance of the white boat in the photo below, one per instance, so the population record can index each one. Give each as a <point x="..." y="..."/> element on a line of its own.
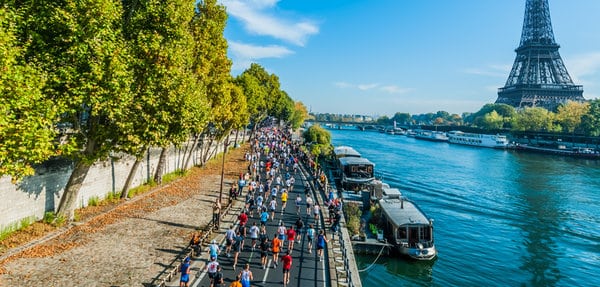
<point x="407" y="227"/>
<point x="475" y="139"/>
<point x="431" y="135"/>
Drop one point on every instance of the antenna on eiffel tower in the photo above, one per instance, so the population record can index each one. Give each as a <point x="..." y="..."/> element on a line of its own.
<point x="538" y="76"/>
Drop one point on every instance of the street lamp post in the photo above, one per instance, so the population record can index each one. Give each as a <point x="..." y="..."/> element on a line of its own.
<point x="225" y="144"/>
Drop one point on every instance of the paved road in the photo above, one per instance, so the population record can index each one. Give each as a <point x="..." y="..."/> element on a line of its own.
<point x="306" y="270"/>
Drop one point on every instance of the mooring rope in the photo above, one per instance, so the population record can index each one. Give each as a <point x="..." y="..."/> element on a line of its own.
<point x="372" y="264"/>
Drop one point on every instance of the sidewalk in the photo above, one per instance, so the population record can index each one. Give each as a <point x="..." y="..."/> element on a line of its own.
<point x="131" y="245"/>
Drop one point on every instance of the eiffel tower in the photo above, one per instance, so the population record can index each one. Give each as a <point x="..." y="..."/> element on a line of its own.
<point x="538" y="77"/>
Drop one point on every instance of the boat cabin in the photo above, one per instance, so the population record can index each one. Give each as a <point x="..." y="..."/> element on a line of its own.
<point x="407" y="227"/>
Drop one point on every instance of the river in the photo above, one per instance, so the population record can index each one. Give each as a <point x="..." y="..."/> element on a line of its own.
<point x="502" y="218"/>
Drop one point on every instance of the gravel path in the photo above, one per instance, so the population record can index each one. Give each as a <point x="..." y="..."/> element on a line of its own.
<point x="131" y="244"/>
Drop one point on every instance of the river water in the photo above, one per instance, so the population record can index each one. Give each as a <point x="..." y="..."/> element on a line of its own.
<point x="502" y="218"/>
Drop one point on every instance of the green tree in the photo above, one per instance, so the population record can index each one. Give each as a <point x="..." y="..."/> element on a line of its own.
<point x="26" y="128"/>
<point x="503" y="110"/>
<point x="299" y="115"/>
<point x="534" y="119"/>
<point x="166" y="92"/>
<point x="384" y="121"/>
<point x="319" y="140"/>
<point x="401" y="118"/>
<point x="591" y="120"/>
<point x="492" y="120"/>
<point x="79" y="47"/>
<point x="569" y="115"/>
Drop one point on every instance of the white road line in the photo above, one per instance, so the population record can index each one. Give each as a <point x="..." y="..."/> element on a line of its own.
<point x="199" y="279"/>
<point x="266" y="271"/>
<point x="323" y="266"/>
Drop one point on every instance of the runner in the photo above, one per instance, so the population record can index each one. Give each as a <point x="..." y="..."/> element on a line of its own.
<point x="184" y="281"/>
<point x="264" y="217"/>
<point x="309" y="202"/>
<point x="291" y="236"/>
<point x="321" y="243"/>
<point x="229" y="235"/>
<point x="219" y="277"/>
<point x="316" y="210"/>
<point x="299" y="229"/>
<point x="281" y="232"/>
<point x="275" y="248"/>
<point x="298" y="203"/>
<point x="310" y="235"/>
<point x="287" y="265"/>
<point x="214" y="249"/>
<point x="264" y="252"/>
<point x="254" y="230"/>
<point x="273" y="207"/>
<point x="284" y="198"/>
<point x="212" y="270"/>
<point x="246" y="276"/>
<point x="237" y="247"/>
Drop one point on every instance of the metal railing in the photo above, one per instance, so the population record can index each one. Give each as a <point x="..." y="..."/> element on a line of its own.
<point x="189" y="252"/>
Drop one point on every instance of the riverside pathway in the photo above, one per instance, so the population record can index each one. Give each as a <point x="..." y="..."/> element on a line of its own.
<point x="307" y="269"/>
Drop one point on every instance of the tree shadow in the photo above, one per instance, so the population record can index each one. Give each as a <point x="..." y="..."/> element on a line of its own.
<point x="51" y="178"/>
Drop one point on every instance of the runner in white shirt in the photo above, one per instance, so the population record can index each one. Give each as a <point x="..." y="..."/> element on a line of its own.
<point x="309" y="202"/>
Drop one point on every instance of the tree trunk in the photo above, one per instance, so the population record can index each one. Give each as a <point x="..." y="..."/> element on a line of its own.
<point x="189" y="157"/>
<point x="237" y="132"/>
<point x="161" y="165"/>
<point x="206" y="155"/>
<point x="66" y="207"/>
<point x="132" y="172"/>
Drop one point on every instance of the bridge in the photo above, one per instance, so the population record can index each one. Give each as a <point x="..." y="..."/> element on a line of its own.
<point x="350" y="124"/>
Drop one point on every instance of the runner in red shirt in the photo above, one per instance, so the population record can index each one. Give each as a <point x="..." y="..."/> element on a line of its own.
<point x="287" y="265"/>
<point x="291" y="237"/>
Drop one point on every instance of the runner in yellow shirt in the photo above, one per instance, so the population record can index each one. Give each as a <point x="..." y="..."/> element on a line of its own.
<point x="284" y="198"/>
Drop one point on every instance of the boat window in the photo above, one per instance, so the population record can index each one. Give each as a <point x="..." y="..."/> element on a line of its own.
<point x="413" y="236"/>
<point x="402" y="233"/>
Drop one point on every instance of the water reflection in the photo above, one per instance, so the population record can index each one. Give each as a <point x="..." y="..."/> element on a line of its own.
<point x="541" y="218"/>
<point x="404" y="271"/>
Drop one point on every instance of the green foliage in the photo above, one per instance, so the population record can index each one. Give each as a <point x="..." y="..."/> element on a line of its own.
<point x="93" y="201"/>
<point x="317" y="135"/>
<point x="299" y="115"/>
<point x="534" y="119"/>
<point x="11" y="228"/>
<point x="590" y="121"/>
<point x="26" y="125"/>
<point x="503" y="111"/>
<point x="49" y="217"/>
<point x="570" y="115"/>
<point x="402" y="118"/>
<point x="492" y="120"/>
<point x="384" y="120"/>
<point x="353" y="214"/>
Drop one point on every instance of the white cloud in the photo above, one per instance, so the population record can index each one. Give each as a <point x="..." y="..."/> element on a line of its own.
<point x="391" y="89"/>
<point x="257" y="17"/>
<point x="395" y="89"/>
<point x="582" y="66"/>
<point x="365" y="87"/>
<point x="248" y="51"/>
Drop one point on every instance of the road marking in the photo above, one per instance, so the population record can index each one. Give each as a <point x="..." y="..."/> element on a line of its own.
<point x="266" y="271"/>
<point x="323" y="266"/>
<point x="199" y="279"/>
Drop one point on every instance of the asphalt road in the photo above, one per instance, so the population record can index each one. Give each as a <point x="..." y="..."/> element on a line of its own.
<point x="306" y="269"/>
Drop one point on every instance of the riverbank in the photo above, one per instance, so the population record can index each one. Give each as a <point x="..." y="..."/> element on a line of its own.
<point x="130" y="243"/>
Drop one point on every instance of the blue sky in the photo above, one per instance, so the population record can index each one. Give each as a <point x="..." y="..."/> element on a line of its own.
<point x="379" y="57"/>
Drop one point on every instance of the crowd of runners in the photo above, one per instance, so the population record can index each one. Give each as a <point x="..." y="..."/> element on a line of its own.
<point x="270" y="182"/>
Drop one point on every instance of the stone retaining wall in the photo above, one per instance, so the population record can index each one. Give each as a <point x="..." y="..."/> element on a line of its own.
<point x="35" y="195"/>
